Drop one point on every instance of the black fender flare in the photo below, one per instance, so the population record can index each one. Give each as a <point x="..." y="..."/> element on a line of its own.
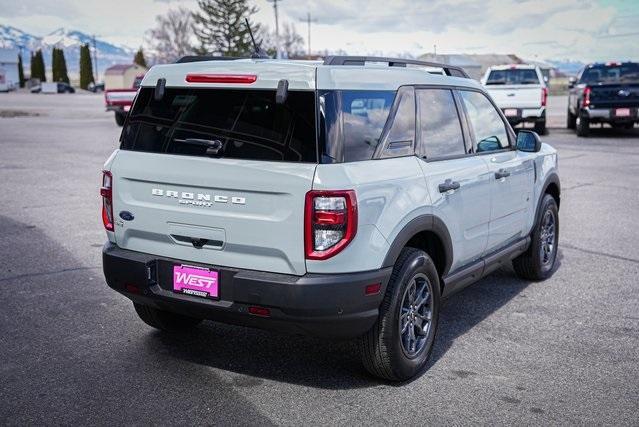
<point x="426" y="222"/>
<point x="552" y="178"/>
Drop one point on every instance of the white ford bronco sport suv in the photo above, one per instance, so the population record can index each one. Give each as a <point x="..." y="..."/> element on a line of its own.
<point x="520" y="91"/>
<point x="342" y="198"/>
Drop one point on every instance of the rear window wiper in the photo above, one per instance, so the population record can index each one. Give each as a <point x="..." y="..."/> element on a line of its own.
<point x="213" y="146"/>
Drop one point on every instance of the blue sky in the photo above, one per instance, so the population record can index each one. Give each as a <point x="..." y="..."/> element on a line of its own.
<point x="583" y="30"/>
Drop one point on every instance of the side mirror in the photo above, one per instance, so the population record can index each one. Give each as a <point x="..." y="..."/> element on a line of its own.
<point x="571" y="82"/>
<point x="528" y="141"/>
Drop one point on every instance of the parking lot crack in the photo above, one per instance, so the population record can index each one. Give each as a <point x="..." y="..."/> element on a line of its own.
<point x="47" y="273"/>
<point x="589" y="251"/>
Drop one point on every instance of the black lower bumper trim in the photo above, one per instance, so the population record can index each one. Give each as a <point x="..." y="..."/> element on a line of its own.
<point x="330" y="305"/>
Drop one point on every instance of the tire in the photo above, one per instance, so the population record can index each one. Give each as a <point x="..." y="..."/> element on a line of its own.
<point x="540" y="127"/>
<point x="582" y="126"/>
<point x="165" y="320"/>
<point x="537" y="263"/>
<point x="386" y="352"/>
<point x="119" y="119"/>
<point x="571" y="120"/>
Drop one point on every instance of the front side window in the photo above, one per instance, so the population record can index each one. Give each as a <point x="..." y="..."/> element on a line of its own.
<point x="352" y="123"/>
<point x="487" y="127"/>
<point x="440" y="128"/>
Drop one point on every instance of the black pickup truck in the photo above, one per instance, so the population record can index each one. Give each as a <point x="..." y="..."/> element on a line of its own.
<point x="604" y="93"/>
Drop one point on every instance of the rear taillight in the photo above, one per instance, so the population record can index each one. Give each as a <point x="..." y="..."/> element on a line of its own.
<point x="330" y="222"/>
<point x="106" y="191"/>
<point x="587" y="91"/>
<point x="544" y="96"/>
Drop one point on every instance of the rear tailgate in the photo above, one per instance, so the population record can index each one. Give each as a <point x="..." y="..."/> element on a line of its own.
<point x="119" y="97"/>
<point x="615" y="95"/>
<point x="217" y="176"/>
<point x="516" y="96"/>
<point x="244" y="214"/>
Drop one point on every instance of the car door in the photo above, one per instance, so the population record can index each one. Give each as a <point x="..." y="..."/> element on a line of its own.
<point x="511" y="172"/>
<point x="458" y="182"/>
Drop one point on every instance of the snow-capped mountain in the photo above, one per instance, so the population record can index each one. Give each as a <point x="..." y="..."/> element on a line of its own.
<point x="70" y="40"/>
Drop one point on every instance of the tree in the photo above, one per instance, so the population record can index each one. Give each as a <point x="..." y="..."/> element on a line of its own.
<point x="20" y="70"/>
<point x="291" y="42"/>
<point x="62" y="67"/>
<point x="220" y="27"/>
<point x="86" y="67"/>
<point x="55" y="67"/>
<point x="37" y="66"/>
<point x="172" y="37"/>
<point x="139" y="58"/>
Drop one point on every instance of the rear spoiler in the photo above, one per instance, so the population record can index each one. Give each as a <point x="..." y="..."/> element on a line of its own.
<point x="449" y="70"/>
<point x="197" y="58"/>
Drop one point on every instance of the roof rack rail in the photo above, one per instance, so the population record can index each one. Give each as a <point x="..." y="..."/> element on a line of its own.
<point x="450" y="70"/>
<point x="196" y="58"/>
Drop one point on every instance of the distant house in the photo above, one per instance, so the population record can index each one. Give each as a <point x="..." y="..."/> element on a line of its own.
<point x="122" y="76"/>
<point x="9" y="77"/>
<point x="472" y="68"/>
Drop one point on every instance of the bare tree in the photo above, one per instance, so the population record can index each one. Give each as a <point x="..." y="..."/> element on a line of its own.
<point x="291" y="41"/>
<point x="172" y="37"/>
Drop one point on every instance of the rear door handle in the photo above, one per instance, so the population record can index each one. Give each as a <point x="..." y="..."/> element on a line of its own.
<point x="502" y="173"/>
<point x="448" y="185"/>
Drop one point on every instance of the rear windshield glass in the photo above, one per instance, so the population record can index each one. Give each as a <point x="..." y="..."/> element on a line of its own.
<point x="228" y="123"/>
<point x="513" y="77"/>
<point x="622" y="73"/>
<point x="352" y="123"/>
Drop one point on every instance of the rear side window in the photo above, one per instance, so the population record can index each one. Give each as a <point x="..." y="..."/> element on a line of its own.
<point x="227" y="123"/>
<point x="513" y="77"/>
<point x="440" y="127"/>
<point x="487" y="127"/>
<point x="352" y="123"/>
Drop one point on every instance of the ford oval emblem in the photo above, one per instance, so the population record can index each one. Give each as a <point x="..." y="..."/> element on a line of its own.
<point x="126" y="215"/>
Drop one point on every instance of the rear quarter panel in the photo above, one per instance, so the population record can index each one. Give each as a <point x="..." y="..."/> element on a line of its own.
<point x="390" y="192"/>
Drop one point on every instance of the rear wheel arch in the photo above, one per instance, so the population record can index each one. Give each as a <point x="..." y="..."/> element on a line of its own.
<point x="428" y="233"/>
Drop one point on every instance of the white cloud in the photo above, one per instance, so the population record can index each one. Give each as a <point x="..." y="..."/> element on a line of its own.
<point x="577" y="29"/>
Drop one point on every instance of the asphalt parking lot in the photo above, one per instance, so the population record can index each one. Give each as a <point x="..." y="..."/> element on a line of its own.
<point x="565" y="351"/>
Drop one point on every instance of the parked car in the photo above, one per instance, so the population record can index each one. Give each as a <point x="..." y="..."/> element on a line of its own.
<point x="604" y="93"/>
<point x="332" y="199"/>
<point x="55" y="87"/>
<point x="120" y="100"/>
<point x="520" y="91"/>
<point x="96" y="87"/>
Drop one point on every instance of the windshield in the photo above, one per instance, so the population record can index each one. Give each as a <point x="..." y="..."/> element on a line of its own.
<point x="229" y="123"/>
<point x="621" y="73"/>
<point x="513" y="77"/>
<point x="352" y="123"/>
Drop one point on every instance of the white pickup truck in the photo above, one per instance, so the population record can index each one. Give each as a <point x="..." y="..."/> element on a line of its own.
<point x="520" y="91"/>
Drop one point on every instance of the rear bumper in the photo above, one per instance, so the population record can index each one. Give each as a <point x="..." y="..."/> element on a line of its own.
<point x="528" y="115"/>
<point x="328" y="305"/>
<point x="116" y="108"/>
<point x="607" y="115"/>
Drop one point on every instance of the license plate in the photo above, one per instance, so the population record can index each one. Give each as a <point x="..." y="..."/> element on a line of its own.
<point x="622" y="112"/>
<point x="127" y="108"/>
<point x="511" y="112"/>
<point x="197" y="281"/>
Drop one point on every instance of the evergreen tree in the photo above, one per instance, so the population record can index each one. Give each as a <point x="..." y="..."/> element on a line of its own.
<point x="220" y="27"/>
<point x="55" y="67"/>
<point x="20" y="70"/>
<point x="32" y="72"/>
<point x="62" y="63"/>
<point x="37" y="67"/>
<point x="86" y="67"/>
<point x="139" y="58"/>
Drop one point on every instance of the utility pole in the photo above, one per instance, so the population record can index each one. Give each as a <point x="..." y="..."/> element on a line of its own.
<point x="308" y="21"/>
<point x="95" y="59"/>
<point x="277" y="30"/>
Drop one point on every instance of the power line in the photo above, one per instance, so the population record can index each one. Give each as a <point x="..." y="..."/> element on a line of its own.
<point x="308" y="21"/>
<point x="277" y="29"/>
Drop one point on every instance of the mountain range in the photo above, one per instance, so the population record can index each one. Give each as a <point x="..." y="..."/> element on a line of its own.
<point x="70" y="41"/>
